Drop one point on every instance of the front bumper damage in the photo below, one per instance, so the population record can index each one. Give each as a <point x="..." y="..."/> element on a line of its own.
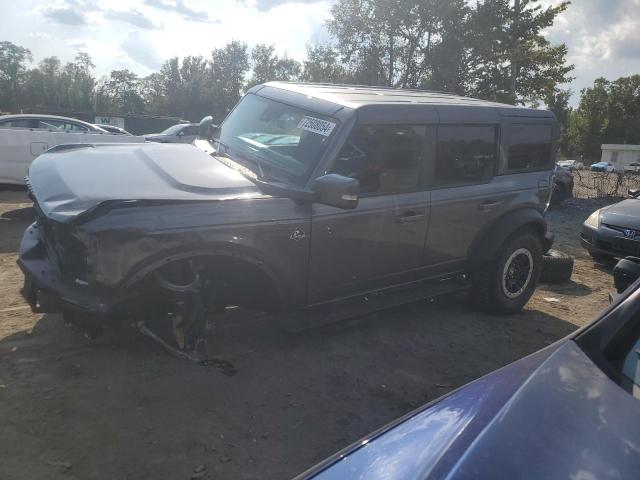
<point x="48" y="291"/>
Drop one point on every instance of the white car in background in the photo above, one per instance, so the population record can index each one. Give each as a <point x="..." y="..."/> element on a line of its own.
<point x="570" y="164"/>
<point x="24" y="137"/>
<point x="632" y="167"/>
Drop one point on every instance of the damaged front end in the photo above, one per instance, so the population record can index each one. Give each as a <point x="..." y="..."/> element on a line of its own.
<point x="175" y="305"/>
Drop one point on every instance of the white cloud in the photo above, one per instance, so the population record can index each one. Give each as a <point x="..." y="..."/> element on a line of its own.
<point x="603" y="37"/>
<point x="139" y="49"/>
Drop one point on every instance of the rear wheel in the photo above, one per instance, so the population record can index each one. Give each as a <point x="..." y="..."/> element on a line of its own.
<point x="508" y="281"/>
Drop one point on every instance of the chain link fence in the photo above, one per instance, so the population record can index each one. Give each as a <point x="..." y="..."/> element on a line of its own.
<point x="588" y="184"/>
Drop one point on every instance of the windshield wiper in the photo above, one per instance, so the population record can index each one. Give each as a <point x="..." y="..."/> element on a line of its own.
<point x="240" y="157"/>
<point x="246" y="158"/>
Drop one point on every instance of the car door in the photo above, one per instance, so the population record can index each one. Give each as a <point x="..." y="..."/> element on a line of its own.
<point x="20" y="145"/>
<point x="466" y="195"/>
<point x="380" y="242"/>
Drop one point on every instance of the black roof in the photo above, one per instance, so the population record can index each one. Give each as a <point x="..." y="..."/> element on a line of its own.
<point x="358" y="96"/>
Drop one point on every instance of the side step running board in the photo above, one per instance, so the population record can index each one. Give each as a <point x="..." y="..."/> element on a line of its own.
<point x="324" y="314"/>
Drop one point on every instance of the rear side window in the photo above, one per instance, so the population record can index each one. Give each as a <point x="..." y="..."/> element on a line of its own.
<point x="55" y="125"/>
<point x="22" y="123"/>
<point x="465" y="155"/>
<point x="191" y="130"/>
<point x="530" y="147"/>
<point x="384" y="158"/>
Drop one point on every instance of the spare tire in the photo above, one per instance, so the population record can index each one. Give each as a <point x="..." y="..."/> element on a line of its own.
<point x="557" y="267"/>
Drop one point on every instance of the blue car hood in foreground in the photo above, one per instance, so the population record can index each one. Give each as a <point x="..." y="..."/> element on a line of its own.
<point x="552" y="415"/>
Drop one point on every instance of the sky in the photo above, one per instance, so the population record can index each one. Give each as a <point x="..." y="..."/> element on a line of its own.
<point x="603" y="36"/>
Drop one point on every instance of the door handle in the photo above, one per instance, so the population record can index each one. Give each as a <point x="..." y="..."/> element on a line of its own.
<point x="409" y="217"/>
<point x="489" y="205"/>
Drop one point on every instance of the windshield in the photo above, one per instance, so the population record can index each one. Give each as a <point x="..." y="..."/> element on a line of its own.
<point x="275" y="140"/>
<point x="174" y="129"/>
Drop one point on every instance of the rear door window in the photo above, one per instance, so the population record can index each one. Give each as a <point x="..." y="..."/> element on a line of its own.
<point x="385" y="159"/>
<point x="466" y="154"/>
<point x="18" y="123"/>
<point x="530" y="147"/>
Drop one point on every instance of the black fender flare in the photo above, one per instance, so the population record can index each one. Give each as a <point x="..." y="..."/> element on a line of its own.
<point x="486" y="245"/>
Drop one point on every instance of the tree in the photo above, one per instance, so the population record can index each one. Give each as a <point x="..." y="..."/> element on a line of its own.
<point x="369" y="38"/>
<point x="588" y="122"/>
<point x="623" y="124"/>
<point x="609" y="112"/>
<point x="120" y="93"/>
<point x="154" y="91"/>
<point x="228" y="68"/>
<point x="267" y="66"/>
<point x="509" y="59"/>
<point x="322" y="65"/>
<point x="13" y="60"/>
<point x="79" y="83"/>
<point x="558" y="102"/>
<point x="194" y="97"/>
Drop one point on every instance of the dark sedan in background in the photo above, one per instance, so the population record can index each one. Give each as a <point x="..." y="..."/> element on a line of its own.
<point x="570" y="411"/>
<point x="613" y="231"/>
<point x="180" y="133"/>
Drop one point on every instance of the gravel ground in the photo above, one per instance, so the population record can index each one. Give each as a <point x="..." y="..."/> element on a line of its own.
<point x="276" y="403"/>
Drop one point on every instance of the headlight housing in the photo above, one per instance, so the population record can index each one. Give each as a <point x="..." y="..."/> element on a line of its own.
<point x="594" y="220"/>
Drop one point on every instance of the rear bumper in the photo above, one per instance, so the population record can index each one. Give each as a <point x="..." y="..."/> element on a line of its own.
<point x="45" y="288"/>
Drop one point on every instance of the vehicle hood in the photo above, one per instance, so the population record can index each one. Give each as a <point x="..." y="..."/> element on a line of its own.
<point x="623" y="214"/>
<point x="550" y="415"/>
<point x="71" y="180"/>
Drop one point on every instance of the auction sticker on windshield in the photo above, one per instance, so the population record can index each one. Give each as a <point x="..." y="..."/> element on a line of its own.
<point x="316" y="125"/>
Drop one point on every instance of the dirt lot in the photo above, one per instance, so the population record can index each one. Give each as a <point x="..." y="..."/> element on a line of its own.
<point x="118" y="408"/>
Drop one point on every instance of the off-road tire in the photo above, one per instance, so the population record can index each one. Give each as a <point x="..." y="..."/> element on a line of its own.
<point x="557" y="267"/>
<point x="487" y="292"/>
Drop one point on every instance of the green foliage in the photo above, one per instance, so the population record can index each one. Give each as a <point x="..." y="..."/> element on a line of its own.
<point x="120" y="93"/>
<point x="491" y="49"/>
<point x="509" y="59"/>
<point x="322" y="65"/>
<point x="609" y="112"/>
<point x="13" y="61"/>
<point x="267" y="66"/>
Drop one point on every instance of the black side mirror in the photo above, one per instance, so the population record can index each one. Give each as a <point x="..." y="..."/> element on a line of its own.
<point x="633" y="192"/>
<point x="337" y="191"/>
<point x="625" y="273"/>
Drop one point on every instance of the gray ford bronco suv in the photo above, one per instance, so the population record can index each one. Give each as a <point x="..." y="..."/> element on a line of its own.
<point x="316" y="201"/>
